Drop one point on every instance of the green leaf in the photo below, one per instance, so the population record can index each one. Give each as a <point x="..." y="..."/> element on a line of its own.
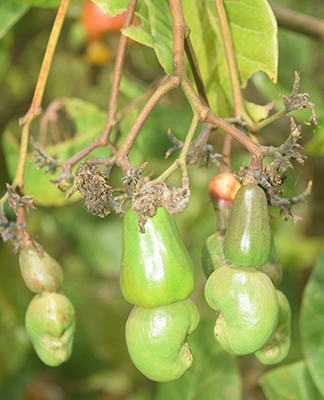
<point x="10" y="13"/>
<point x="312" y="324"/>
<point x="89" y="121"/>
<point x="155" y="31"/>
<point x="291" y="381"/>
<point x="112" y="7"/>
<point x="256" y="112"/>
<point x="254" y="33"/>
<point x="142" y="33"/>
<point x="213" y="371"/>
<point x="41" y="3"/>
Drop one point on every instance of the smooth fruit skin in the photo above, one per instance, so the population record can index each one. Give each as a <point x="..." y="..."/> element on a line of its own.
<point x="156" y="268"/>
<point x="156" y="339"/>
<point x="223" y="187"/>
<point x="278" y="346"/>
<point x="39" y="270"/>
<point x="273" y="267"/>
<point x="248" y="237"/>
<point x="247" y="306"/>
<point x="50" y="325"/>
<point x="213" y="256"/>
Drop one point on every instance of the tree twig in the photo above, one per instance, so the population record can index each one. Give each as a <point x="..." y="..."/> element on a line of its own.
<point x="114" y="92"/>
<point x="239" y="108"/>
<point x="170" y="83"/>
<point x="196" y="71"/>
<point x="34" y="109"/>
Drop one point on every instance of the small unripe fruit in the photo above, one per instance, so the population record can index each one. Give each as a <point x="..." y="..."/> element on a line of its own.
<point x="213" y="256"/>
<point x="278" y="346"/>
<point x="223" y="187"/>
<point x="39" y="270"/>
<point x="248" y="236"/>
<point x="50" y="325"/>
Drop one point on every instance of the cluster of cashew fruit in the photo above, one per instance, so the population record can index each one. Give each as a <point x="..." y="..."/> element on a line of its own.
<point x="50" y="316"/>
<point x="242" y="268"/>
<point x="157" y="276"/>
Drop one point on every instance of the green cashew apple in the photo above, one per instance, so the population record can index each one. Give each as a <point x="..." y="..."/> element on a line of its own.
<point x="273" y="267"/>
<point x="278" y="346"/>
<point x="248" y="236"/>
<point x="213" y="255"/>
<point x="156" y="268"/>
<point x="39" y="270"/>
<point x="50" y="325"/>
<point x="156" y="339"/>
<point x="247" y="306"/>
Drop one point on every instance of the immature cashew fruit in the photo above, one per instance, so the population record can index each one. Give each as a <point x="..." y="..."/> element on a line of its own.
<point x="213" y="255"/>
<point x="247" y="306"/>
<point x="39" y="270"/>
<point x="278" y="346"/>
<point x="156" y="339"/>
<point x="223" y="187"/>
<point x="248" y="237"/>
<point x="273" y="267"/>
<point x="50" y="325"/>
<point x="156" y="268"/>
<point x="222" y="190"/>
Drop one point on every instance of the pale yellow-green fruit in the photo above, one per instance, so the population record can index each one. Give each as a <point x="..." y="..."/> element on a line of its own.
<point x="156" y="339"/>
<point x="278" y="346"/>
<point x="39" y="270"/>
<point x="247" y="308"/>
<point x="50" y="324"/>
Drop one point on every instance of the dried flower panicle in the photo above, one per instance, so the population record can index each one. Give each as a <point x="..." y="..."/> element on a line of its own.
<point x="41" y="159"/>
<point x="94" y="188"/>
<point x="298" y="101"/>
<point x="8" y="229"/>
<point x="150" y="196"/>
<point x="15" y="201"/>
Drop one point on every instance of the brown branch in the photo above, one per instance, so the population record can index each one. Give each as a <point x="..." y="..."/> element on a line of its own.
<point x="114" y="93"/>
<point x="298" y="22"/>
<point x="226" y="164"/>
<point x="205" y="114"/>
<point x="204" y="134"/>
<point x="180" y="31"/>
<point x="103" y="138"/>
<point x="169" y="84"/>
<point x="34" y="109"/>
<point x="239" y="108"/>
<point x="196" y="71"/>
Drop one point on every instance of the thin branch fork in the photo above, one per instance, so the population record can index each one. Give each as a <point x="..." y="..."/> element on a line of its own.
<point x="103" y="138"/>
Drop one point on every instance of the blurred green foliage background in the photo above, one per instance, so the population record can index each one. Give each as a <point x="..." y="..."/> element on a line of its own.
<point x="89" y="248"/>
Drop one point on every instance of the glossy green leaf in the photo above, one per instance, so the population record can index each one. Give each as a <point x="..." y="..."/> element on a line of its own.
<point x="256" y="112"/>
<point x="254" y="33"/>
<point x="10" y="12"/>
<point x="291" y="381"/>
<point x="89" y="121"/>
<point x="312" y="324"/>
<point x="155" y="31"/>
<point x="41" y="3"/>
<point x="112" y="7"/>
<point x="213" y="371"/>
